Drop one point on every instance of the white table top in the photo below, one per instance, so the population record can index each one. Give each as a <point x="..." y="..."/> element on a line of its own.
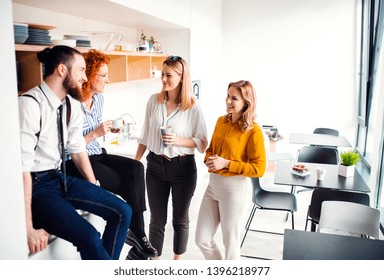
<point x="127" y="149"/>
<point x="318" y="139"/>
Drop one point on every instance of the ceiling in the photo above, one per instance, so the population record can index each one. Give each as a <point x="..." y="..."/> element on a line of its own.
<point x="102" y="10"/>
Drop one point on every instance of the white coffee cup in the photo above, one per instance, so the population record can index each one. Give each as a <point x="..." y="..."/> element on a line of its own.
<point x="321" y="171"/>
<point x="117" y="123"/>
<point x="165" y="130"/>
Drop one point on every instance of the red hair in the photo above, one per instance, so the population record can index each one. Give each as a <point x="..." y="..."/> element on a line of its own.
<point x="93" y="60"/>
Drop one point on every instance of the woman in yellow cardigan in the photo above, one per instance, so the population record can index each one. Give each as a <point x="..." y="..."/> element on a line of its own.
<point x="236" y="152"/>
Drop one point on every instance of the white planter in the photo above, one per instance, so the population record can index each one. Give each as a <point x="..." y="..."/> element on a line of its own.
<point x="346" y="171"/>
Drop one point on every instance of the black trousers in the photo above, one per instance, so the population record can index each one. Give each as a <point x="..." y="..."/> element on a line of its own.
<point x="177" y="176"/>
<point x="122" y="176"/>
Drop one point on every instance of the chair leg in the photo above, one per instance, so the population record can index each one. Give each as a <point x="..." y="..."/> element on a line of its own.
<point x="313" y="226"/>
<point x="250" y="217"/>
<point x="248" y="224"/>
<point x="306" y="220"/>
<point x="293" y="189"/>
<point x="293" y="221"/>
<point x="286" y="217"/>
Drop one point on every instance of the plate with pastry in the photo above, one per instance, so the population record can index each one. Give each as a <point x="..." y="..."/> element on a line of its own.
<point x="300" y="169"/>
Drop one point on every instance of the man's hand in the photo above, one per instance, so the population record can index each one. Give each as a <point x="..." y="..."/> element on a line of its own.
<point x="37" y="240"/>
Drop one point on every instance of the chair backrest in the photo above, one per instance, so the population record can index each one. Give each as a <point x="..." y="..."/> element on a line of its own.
<point x="318" y="154"/>
<point x="323" y="194"/>
<point x="256" y="188"/>
<point x="323" y="130"/>
<point x="349" y="218"/>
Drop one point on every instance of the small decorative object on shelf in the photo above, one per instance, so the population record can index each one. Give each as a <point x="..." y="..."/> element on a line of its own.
<point x="147" y="45"/>
<point x="143" y="44"/>
<point x="348" y="160"/>
<point x="151" y="43"/>
<point x="157" y="47"/>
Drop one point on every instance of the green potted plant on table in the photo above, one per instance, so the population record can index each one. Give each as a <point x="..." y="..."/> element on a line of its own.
<point x="348" y="160"/>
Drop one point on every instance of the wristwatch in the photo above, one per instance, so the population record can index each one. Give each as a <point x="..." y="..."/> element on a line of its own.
<point x="97" y="183"/>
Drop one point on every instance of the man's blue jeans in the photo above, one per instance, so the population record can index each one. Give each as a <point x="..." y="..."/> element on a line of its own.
<point x="55" y="211"/>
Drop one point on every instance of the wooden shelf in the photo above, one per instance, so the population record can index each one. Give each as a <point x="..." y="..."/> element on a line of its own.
<point x="123" y="67"/>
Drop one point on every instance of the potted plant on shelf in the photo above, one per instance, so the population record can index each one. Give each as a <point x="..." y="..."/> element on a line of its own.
<point x="348" y="160"/>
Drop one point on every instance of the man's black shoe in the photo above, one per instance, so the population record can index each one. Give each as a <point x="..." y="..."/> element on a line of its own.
<point x="142" y="244"/>
<point x="136" y="254"/>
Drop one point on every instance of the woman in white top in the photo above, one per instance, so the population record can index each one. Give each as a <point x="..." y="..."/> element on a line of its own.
<point x="171" y="165"/>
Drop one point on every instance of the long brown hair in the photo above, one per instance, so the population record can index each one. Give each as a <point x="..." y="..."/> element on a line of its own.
<point x="185" y="97"/>
<point x="249" y="95"/>
<point x="93" y="60"/>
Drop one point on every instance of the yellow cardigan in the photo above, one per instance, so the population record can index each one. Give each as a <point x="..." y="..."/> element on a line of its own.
<point x="245" y="150"/>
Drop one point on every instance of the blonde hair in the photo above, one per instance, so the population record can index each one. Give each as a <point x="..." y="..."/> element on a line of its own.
<point x="249" y="95"/>
<point x="185" y="97"/>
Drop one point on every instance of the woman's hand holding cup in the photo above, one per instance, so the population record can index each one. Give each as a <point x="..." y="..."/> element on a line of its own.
<point x="167" y="135"/>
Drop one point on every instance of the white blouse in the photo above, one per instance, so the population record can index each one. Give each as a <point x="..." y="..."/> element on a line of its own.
<point x="186" y="124"/>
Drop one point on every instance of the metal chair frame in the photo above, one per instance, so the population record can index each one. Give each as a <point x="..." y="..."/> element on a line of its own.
<point x="268" y="200"/>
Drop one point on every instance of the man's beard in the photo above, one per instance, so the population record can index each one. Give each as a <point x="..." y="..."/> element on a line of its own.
<point x="72" y="88"/>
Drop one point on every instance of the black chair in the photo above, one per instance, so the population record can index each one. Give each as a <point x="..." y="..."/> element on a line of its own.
<point x="323" y="130"/>
<point x="268" y="200"/>
<point x="329" y="131"/>
<point x="323" y="194"/>
<point x="318" y="154"/>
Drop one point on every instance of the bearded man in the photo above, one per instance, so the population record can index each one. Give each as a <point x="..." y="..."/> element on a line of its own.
<point x="51" y="121"/>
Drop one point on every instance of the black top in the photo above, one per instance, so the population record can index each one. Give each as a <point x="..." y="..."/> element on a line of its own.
<point x="308" y="245"/>
<point x="332" y="180"/>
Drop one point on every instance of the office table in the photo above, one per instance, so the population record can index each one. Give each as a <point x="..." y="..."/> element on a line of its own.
<point x="308" y="245"/>
<point x="332" y="180"/>
<point x="318" y="139"/>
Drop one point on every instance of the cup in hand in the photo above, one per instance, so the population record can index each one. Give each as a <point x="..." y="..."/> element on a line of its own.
<point x="165" y="130"/>
<point x="117" y="123"/>
<point x="320" y="171"/>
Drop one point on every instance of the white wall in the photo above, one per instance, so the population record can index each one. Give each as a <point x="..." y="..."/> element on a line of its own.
<point x="300" y="56"/>
<point x="13" y="242"/>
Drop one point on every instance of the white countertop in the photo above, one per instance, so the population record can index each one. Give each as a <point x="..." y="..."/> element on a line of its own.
<point x="127" y="148"/>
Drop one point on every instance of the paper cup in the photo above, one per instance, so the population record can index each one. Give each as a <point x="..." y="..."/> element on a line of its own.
<point x="165" y="130"/>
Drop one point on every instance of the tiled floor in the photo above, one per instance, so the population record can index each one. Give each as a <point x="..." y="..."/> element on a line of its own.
<point x="262" y="245"/>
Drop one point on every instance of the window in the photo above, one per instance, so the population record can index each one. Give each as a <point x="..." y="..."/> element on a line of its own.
<point x="371" y="35"/>
<point x="370" y="105"/>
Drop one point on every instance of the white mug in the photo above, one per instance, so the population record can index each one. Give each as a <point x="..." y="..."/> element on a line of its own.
<point x="320" y="171"/>
<point x="117" y="123"/>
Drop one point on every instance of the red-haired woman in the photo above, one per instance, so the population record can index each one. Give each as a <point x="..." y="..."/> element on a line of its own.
<point x="117" y="174"/>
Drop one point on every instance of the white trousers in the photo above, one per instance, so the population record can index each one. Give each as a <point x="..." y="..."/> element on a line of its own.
<point x="223" y="203"/>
